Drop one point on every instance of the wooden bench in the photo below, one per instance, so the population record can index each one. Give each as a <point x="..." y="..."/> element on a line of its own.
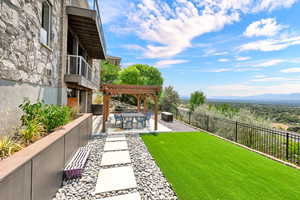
<point x="75" y="167"/>
<point x="166" y="116"/>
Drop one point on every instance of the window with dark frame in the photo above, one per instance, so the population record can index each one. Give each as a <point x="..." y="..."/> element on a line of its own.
<point x="46" y="23"/>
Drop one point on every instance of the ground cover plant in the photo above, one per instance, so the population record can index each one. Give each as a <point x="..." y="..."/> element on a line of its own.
<point x="201" y="166"/>
<point x="38" y="120"/>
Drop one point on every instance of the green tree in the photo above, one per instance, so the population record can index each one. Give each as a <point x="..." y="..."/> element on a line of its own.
<point x="140" y="74"/>
<point x="169" y="99"/>
<point x="197" y="98"/>
<point x="109" y="73"/>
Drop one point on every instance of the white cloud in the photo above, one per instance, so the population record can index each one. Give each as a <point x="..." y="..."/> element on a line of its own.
<point x="269" y="63"/>
<point x="291" y="70"/>
<point x="167" y="63"/>
<point x="274" y="79"/>
<point x="260" y="76"/>
<point x="127" y="64"/>
<point x="264" y="27"/>
<point x="242" y="58"/>
<point x="213" y="52"/>
<point x="112" y="10"/>
<point x="222" y="70"/>
<point x="235" y="69"/>
<point x="271" y="44"/>
<point x="273" y="4"/>
<point x="134" y="47"/>
<point x="169" y="26"/>
<point x="223" y="60"/>
<point x="248" y="89"/>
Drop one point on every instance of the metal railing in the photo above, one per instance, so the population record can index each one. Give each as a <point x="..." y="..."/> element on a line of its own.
<point x="99" y="23"/>
<point x="78" y="65"/>
<point x="283" y="145"/>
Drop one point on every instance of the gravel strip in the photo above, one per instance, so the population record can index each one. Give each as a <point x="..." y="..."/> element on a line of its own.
<point x="151" y="183"/>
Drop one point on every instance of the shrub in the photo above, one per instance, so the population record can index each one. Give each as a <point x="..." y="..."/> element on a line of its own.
<point x="54" y="116"/>
<point x="32" y="132"/>
<point x="8" y="147"/>
<point x="49" y="116"/>
<point x="98" y="99"/>
<point x="74" y="112"/>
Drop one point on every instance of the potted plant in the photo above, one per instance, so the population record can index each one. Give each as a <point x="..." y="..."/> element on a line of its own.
<point x="97" y="105"/>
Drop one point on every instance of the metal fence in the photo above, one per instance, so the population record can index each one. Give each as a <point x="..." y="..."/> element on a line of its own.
<point x="280" y="144"/>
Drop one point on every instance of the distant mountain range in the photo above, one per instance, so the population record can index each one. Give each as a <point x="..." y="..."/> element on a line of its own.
<point x="264" y="97"/>
<point x="292" y="99"/>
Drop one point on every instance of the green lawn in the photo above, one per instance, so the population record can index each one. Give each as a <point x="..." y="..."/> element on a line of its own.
<point x="203" y="167"/>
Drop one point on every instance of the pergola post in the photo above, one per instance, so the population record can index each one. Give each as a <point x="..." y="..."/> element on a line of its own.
<point x="104" y="113"/>
<point x="107" y="111"/>
<point x="138" y="103"/>
<point x="145" y="104"/>
<point x="156" y="113"/>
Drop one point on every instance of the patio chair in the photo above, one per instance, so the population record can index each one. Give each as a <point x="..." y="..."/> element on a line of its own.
<point x="118" y="118"/>
<point x="141" y="120"/>
<point x="148" y="117"/>
<point x="128" y="122"/>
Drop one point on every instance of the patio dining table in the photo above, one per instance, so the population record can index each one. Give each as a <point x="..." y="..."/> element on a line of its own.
<point x="124" y="115"/>
<point x="131" y="115"/>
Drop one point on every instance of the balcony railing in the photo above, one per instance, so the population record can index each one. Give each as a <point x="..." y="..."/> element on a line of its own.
<point x="79" y="66"/>
<point x="99" y="23"/>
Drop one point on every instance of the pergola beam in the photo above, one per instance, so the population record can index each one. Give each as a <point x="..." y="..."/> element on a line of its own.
<point x="135" y="90"/>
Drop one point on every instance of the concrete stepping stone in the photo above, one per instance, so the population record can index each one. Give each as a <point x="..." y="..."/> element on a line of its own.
<point x="115" y="138"/>
<point x="115" y="157"/>
<point x="117" y="178"/>
<point x="132" y="196"/>
<point x="114" y="146"/>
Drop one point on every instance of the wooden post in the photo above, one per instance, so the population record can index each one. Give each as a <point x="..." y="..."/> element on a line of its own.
<point x="138" y="103"/>
<point x="107" y="113"/>
<point x="156" y="113"/>
<point x="104" y="113"/>
<point x="145" y="105"/>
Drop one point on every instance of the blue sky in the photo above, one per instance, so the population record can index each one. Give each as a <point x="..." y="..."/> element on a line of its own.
<point x="221" y="47"/>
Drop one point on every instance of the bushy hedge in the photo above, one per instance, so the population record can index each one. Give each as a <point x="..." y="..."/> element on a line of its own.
<point x="50" y="116"/>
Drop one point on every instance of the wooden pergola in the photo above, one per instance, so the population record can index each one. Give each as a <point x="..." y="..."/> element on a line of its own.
<point x="140" y="92"/>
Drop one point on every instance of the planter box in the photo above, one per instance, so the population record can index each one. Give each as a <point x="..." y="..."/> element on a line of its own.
<point x="36" y="172"/>
<point x="166" y="116"/>
<point x="97" y="109"/>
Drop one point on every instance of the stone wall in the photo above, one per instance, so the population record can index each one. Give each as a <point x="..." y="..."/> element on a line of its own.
<point x="28" y="69"/>
<point x="22" y="57"/>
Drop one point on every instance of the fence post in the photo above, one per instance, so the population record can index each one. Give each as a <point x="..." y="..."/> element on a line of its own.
<point x="287" y="146"/>
<point x="236" y="131"/>
<point x="207" y="123"/>
<point x="189" y="117"/>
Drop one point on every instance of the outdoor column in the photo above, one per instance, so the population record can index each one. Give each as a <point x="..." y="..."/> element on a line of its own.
<point x="138" y="103"/>
<point x="107" y="112"/>
<point x="104" y="113"/>
<point x="145" y="105"/>
<point x="156" y="113"/>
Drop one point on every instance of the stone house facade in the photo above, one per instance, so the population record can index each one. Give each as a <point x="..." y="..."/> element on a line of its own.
<point x="48" y="52"/>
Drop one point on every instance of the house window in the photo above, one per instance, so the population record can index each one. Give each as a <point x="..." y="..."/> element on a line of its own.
<point x="46" y="23"/>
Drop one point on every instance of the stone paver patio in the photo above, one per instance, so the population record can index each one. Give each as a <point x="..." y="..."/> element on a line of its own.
<point x="116" y="178"/>
<point x="115" y="158"/>
<point x="115" y="146"/>
<point x="132" y="196"/>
